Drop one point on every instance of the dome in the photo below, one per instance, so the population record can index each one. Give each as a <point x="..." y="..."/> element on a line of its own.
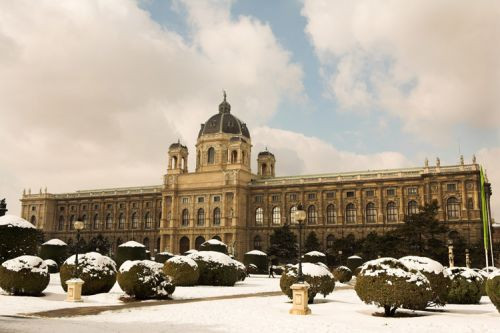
<point x="224" y="122"/>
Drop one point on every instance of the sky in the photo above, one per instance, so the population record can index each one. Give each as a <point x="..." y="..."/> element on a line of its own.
<point x="93" y="92"/>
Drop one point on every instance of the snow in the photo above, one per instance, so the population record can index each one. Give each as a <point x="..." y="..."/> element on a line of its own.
<point x="388" y="267"/>
<point x="190" y="252"/>
<point x="56" y="242"/>
<point x="313" y="270"/>
<point x="50" y="262"/>
<point x="95" y="260"/>
<point x="213" y="256"/>
<point x="166" y="254"/>
<point x="183" y="260"/>
<point x="34" y="264"/>
<point x="467" y="273"/>
<point x="15" y="221"/>
<point x="127" y="265"/>
<point x="354" y="257"/>
<point x="422" y="264"/>
<point x="315" y="254"/>
<point x="131" y="244"/>
<point x="256" y="253"/>
<point x="494" y="274"/>
<point x="215" y="242"/>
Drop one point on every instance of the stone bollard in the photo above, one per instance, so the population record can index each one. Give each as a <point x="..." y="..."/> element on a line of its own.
<point x="300" y="299"/>
<point x="74" y="290"/>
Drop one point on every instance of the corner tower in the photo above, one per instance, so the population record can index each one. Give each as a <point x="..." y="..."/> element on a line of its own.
<point x="266" y="163"/>
<point x="177" y="158"/>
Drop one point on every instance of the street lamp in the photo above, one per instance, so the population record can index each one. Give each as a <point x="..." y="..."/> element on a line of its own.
<point x="299" y="217"/>
<point x="451" y="257"/>
<point x="75" y="284"/>
<point x="340" y="257"/>
<point x="79" y="225"/>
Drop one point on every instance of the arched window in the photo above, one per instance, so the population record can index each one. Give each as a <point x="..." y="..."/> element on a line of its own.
<point x="96" y="224"/>
<point x="453" y="208"/>
<point x="217" y="216"/>
<point x="259" y="216"/>
<point x="201" y="217"/>
<point x="71" y="222"/>
<point x="350" y="213"/>
<point x="86" y="223"/>
<point x="217" y="237"/>
<point x="470" y="203"/>
<point x="121" y="221"/>
<point x="185" y="217"/>
<point x="412" y="207"/>
<point x="312" y="216"/>
<point x="330" y="241"/>
<point x="234" y="156"/>
<point x="257" y="243"/>
<point x="371" y="213"/>
<point x="60" y="225"/>
<point x="109" y="221"/>
<point x="211" y="155"/>
<point x="135" y="221"/>
<point x="392" y="212"/>
<point x="331" y="214"/>
<point x="198" y="241"/>
<point x="33" y="220"/>
<point x="148" y="219"/>
<point x="264" y="169"/>
<point x="276" y="215"/>
<point x="174" y="162"/>
<point x="145" y="242"/>
<point x="293" y="209"/>
<point x="183" y="244"/>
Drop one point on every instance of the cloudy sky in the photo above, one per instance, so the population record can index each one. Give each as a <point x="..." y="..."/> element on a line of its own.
<point x="93" y="92"/>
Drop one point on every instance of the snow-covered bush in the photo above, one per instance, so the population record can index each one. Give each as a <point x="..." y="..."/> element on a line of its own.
<point x="17" y="237"/>
<point x="314" y="257"/>
<point x="320" y="279"/>
<point x="130" y="250"/>
<point x="54" y="249"/>
<point x="434" y="272"/>
<point x="183" y="271"/>
<point x="188" y="252"/>
<point x="279" y="270"/>
<point x="216" y="269"/>
<point x="162" y="257"/>
<point x="144" y="279"/>
<point x="465" y="285"/>
<point x="258" y="259"/>
<point x="52" y="266"/>
<point x="242" y="270"/>
<point x="97" y="271"/>
<point x="354" y="262"/>
<point x="252" y="269"/>
<point x="493" y="288"/>
<point x="24" y="275"/>
<point x="214" y="245"/>
<point x="388" y="283"/>
<point x="342" y="274"/>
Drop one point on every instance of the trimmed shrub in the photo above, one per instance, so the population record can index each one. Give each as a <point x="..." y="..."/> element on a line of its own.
<point x="342" y="274"/>
<point x="388" y="283"/>
<point x="258" y="259"/>
<point x="278" y="270"/>
<point x="97" y="271"/>
<point x="54" y="249"/>
<point x="18" y="237"/>
<point x="493" y="288"/>
<point x="433" y="271"/>
<point x="484" y="275"/>
<point x="357" y="270"/>
<point x="465" y="285"/>
<point x="354" y="262"/>
<point x="214" y="245"/>
<point x="52" y="266"/>
<point x="162" y="257"/>
<point x="188" y="252"/>
<point x="216" y="269"/>
<point x="242" y="270"/>
<point x="183" y="271"/>
<point x="320" y="280"/>
<point x="252" y="269"/>
<point x="24" y="275"/>
<point x="314" y="257"/>
<point x="130" y="250"/>
<point x="144" y="279"/>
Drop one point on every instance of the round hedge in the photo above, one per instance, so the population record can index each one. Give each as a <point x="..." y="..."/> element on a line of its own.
<point x="465" y="285"/>
<point x="257" y="258"/>
<point x="18" y="237"/>
<point x="214" y="245"/>
<point x="242" y="270"/>
<point x="252" y="269"/>
<point x="216" y="269"/>
<point x="130" y="250"/>
<point x="434" y="272"/>
<point x="342" y="274"/>
<point x="314" y="257"/>
<point x="183" y="271"/>
<point x="388" y="283"/>
<point x="97" y="271"/>
<point x="52" y="266"/>
<point x="163" y="256"/>
<point x="320" y="280"/>
<point x="278" y="270"/>
<point x="493" y="288"/>
<point x="24" y="275"/>
<point x="54" y="249"/>
<point x="354" y="262"/>
<point x="144" y="279"/>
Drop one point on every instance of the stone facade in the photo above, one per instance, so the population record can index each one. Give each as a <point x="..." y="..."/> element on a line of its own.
<point x="222" y="198"/>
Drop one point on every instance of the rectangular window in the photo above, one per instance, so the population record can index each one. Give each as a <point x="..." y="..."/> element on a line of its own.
<point x="121" y="206"/>
<point x="391" y="192"/>
<point x="330" y="195"/>
<point x="258" y="198"/>
<point x="109" y="206"/>
<point x="185" y="200"/>
<point x="84" y="207"/>
<point x="61" y="209"/>
<point x="451" y="187"/>
<point x="73" y="208"/>
<point x="275" y="197"/>
<point x="412" y="191"/>
<point x="311" y="196"/>
<point x="216" y="198"/>
<point x="147" y="204"/>
<point x="95" y="207"/>
<point x="350" y="194"/>
<point x="370" y="193"/>
<point x="293" y="197"/>
<point x="201" y="199"/>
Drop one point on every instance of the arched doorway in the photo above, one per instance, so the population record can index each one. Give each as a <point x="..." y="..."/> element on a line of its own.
<point x="217" y="237"/>
<point x="183" y="245"/>
<point x="197" y="243"/>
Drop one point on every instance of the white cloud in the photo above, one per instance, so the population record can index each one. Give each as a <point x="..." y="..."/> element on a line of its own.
<point x="434" y="64"/>
<point x="93" y="92"/>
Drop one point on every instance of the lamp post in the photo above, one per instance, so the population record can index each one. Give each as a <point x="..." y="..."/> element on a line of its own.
<point x="467" y="258"/>
<point x="300" y="216"/>
<point x="451" y="257"/>
<point x="78" y="226"/>
<point x="75" y="284"/>
<point x="340" y="257"/>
